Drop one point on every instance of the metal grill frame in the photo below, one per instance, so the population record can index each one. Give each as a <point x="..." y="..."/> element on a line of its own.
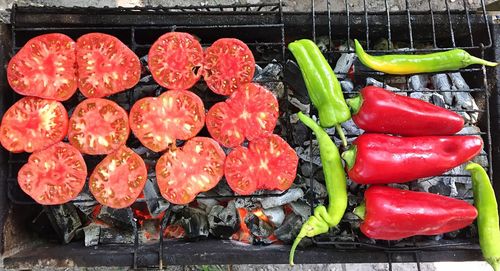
<point x="272" y="16"/>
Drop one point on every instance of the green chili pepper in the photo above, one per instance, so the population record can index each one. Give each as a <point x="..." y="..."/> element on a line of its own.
<point x="322" y="85"/>
<point x="409" y="64"/>
<point x="336" y="185"/>
<point x="487" y="219"/>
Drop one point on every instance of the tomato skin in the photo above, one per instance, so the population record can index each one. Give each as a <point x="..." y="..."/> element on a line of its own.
<point x="33" y="124"/>
<point x="98" y="126"/>
<point x="105" y="65"/>
<point x="158" y="121"/>
<point x="54" y="175"/>
<point x="175" y="60"/>
<point x="268" y="163"/>
<point x="45" y="67"/>
<point x="119" y="178"/>
<point x="184" y="172"/>
<point x="228" y="63"/>
<point x="252" y="112"/>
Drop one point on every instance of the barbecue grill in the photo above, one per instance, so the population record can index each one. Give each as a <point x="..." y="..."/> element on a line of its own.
<point x="267" y="29"/>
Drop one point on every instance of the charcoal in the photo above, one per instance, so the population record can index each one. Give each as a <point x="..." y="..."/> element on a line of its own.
<point x="290" y="228"/>
<point x="373" y="82"/>
<point x="440" y="82"/>
<point x="424" y="96"/>
<point x="442" y="185"/>
<point x="64" y="219"/>
<point x="223" y="221"/>
<point x="300" y="133"/>
<point x="247" y="203"/>
<point x="155" y="202"/>
<point x="293" y="77"/>
<point x="319" y="189"/>
<point x="344" y="63"/>
<point x="458" y="81"/>
<point x="383" y="44"/>
<point x="116" y="236"/>
<point x="222" y="188"/>
<point x="194" y="222"/>
<point x="260" y="230"/>
<point x="306" y="169"/>
<point x="418" y="82"/>
<point x="276" y="215"/>
<point x="438" y="99"/>
<point x="145" y="90"/>
<point x="92" y="233"/>
<point x="304" y="153"/>
<point x="258" y="71"/>
<point x="465" y="116"/>
<point x="270" y="71"/>
<point x="292" y="194"/>
<point x="347" y="85"/>
<point x="323" y="43"/>
<point x="120" y="218"/>
<point x="144" y="61"/>
<point x="207" y="203"/>
<point x="304" y="107"/>
<point x="301" y="208"/>
<point x="481" y="158"/>
<point x="149" y="231"/>
<point x="147" y="79"/>
<point x="85" y="202"/>
<point x="350" y="128"/>
<point x="469" y="130"/>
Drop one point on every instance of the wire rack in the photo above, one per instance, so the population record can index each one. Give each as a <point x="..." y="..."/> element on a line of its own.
<point x="269" y="32"/>
<point x="450" y="36"/>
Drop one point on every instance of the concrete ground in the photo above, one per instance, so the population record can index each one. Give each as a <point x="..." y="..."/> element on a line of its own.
<point x="290" y="5"/>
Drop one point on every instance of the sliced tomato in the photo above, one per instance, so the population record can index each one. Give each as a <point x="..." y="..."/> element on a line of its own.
<point x="268" y="163"/>
<point x="175" y="60"/>
<point x="184" y="172"/>
<point x="228" y="63"/>
<point x="53" y="176"/>
<point x="45" y="67"/>
<point x="250" y="112"/>
<point x="105" y="65"/>
<point x="98" y="126"/>
<point x="159" y="122"/>
<point x="119" y="178"/>
<point x="33" y="124"/>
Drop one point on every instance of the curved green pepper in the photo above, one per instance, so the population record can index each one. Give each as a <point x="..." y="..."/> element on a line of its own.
<point x="408" y="64"/>
<point x="336" y="185"/>
<point x="487" y="219"/>
<point x="322" y="85"/>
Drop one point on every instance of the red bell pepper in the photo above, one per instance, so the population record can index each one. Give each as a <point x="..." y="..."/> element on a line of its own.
<point x="380" y="159"/>
<point x="378" y="110"/>
<point x="392" y="214"/>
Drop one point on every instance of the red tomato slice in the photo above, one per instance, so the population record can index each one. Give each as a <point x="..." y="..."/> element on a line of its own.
<point x="98" y="126"/>
<point x="33" y="124"/>
<point x="250" y="112"/>
<point x="184" y="172"/>
<point x="268" y="163"/>
<point x="118" y="180"/>
<point x="55" y="175"/>
<point x="228" y="64"/>
<point x="45" y="67"/>
<point x="175" y="114"/>
<point x="105" y="65"/>
<point x="175" y="60"/>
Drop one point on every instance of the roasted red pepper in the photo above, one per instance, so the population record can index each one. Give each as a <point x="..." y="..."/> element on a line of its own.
<point x="392" y="214"/>
<point x="378" y="110"/>
<point x="380" y="159"/>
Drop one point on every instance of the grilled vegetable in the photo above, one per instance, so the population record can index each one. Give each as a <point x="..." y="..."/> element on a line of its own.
<point x="336" y="185"/>
<point x="377" y="110"/>
<point x="392" y="214"/>
<point x="379" y="158"/>
<point x="487" y="219"/>
<point x="322" y="84"/>
<point x="408" y="64"/>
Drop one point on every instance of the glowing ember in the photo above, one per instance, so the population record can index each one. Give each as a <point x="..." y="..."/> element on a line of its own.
<point x="174" y="232"/>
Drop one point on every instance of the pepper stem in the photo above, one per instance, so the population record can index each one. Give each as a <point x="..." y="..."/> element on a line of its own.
<point x="349" y="157"/>
<point x="360" y="211"/>
<point x="292" y="251"/>
<point x="339" y="130"/>
<point x="477" y="60"/>
<point x="355" y="104"/>
<point x="495" y="264"/>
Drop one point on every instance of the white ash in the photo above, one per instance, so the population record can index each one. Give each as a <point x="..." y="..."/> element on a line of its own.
<point x="374" y="82"/>
<point x="350" y="128"/>
<point x="92" y="233"/>
<point x="155" y="202"/>
<point x="291" y="195"/>
<point x="442" y="185"/>
<point x="347" y="85"/>
<point x="305" y="153"/>
<point x="276" y="215"/>
<point x="440" y="82"/>
<point x="418" y="82"/>
<point x="345" y="62"/>
<point x="246" y="203"/>
<point x="323" y="43"/>
<point x="299" y="105"/>
<point x="301" y="209"/>
<point x="469" y="130"/>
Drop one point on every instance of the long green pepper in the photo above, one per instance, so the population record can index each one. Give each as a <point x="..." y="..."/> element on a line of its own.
<point x="487" y="218"/>
<point x="408" y="64"/>
<point x="322" y="85"/>
<point x="336" y="185"/>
